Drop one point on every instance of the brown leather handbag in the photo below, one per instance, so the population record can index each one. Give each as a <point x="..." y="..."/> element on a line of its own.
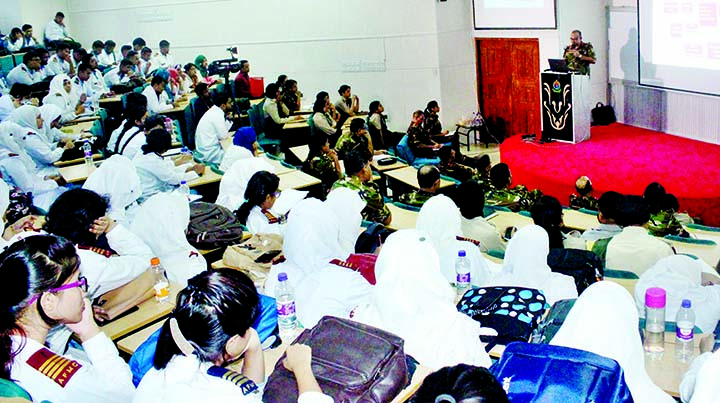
<point x="352" y="363"/>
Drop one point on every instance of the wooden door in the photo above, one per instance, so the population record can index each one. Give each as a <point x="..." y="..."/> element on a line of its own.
<point x="509" y="83"/>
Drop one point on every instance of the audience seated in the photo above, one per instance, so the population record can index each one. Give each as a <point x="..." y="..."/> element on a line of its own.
<point x="15" y="41"/>
<point x="158" y="100"/>
<point x="450" y="167"/>
<point x="634" y="249"/>
<point x="77" y="56"/>
<point x="56" y="31"/>
<point x="291" y="97"/>
<point x="381" y="137"/>
<point x="202" y="63"/>
<point x="235" y="181"/>
<point x="428" y="178"/>
<point x="107" y="57"/>
<point x="137" y="44"/>
<point x="59" y="63"/>
<point x="471" y="201"/>
<point x="347" y="206"/>
<point x="163" y="59"/>
<point x="584" y="198"/>
<point x="34" y="141"/>
<point x="321" y="119"/>
<point x="605" y="322"/>
<point x="601" y="235"/>
<point x="212" y="128"/>
<point x="358" y="177"/>
<point x="460" y="383"/>
<point x="420" y="144"/>
<point x="439" y="219"/>
<point x="547" y="213"/>
<point x="63" y="95"/>
<point x="29" y="40"/>
<point x="525" y="265"/>
<point x="501" y="194"/>
<point x="421" y="311"/>
<point x="260" y="195"/>
<point x="27" y="72"/>
<point x="276" y="113"/>
<point x="117" y="181"/>
<point x="348" y="105"/>
<point x="35" y="272"/>
<point x="663" y="207"/>
<point x="134" y="115"/>
<point x="120" y="74"/>
<point x="355" y="139"/>
<point x="322" y="162"/>
<point x="19" y="95"/>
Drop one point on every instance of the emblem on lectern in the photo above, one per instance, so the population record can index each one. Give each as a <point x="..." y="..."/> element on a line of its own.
<point x="557" y="111"/>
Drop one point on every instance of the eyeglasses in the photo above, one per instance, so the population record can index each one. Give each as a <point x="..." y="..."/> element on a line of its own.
<point x="277" y="194"/>
<point x="81" y="283"/>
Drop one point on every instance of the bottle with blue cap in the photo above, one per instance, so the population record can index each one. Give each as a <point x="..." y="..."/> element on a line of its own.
<point x="285" y="304"/>
<point x="684" y="333"/>
<point x="462" y="273"/>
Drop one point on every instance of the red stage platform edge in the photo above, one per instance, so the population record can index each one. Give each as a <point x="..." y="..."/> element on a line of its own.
<point x="624" y="159"/>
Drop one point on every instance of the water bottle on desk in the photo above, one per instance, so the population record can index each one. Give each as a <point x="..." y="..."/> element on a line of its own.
<point x="684" y="334"/>
<point x="655" y="299"/>
<point x="87" y="151"/>
<point x="285" y="304"/>
<point x="184" y="189"/>
<point x="462" y="273"/>
<point x="161" y="285"/>
<point x="186" y="154"/>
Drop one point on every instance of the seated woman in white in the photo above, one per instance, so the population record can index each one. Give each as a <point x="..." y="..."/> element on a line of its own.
<point x="209" y="329"/>
<point x="323" y="286"/>
<point x="47" y="289"/>
<point x="117" y="179"/>
<point x="471" y="202"/>
<point x="63" y="95"/>
<point x="161" y="222"/>
<point x="439" y="218"/>
<point x="18" y="169"/>
<point x="700" y="385"/>
<point x="347" y="206"/>
<point x="48" y="146"/>
<point x="414" y="301"/>
<point x="157" y="173"/>
<point x="32" y="139"/>
<point x="604" y="321"/>
<point x="51" y="116"/>
<point x="134" y="116"/>
<point x="260" y="195"/>
<point x="235" y="180"/>
<point x="525" y="265"/>
<point x="682" y="278"/>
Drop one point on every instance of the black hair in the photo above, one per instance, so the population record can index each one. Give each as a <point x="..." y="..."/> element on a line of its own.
<point x="500" y="175"/>
<point x="317" y="141"/>
<point x="483" y="162"/>
<point x="373" y="108"/>
<point x="343" y="88"/>
<point x="444" y="153"/>
<point x="15" y="31"/>
<point x="243" y="62"/>
<point x="357" y="124"/>
<point x="186" y="67"/>
<point x="158" y="141"/>
<point x="138" y="42"/>
<point x="164" y="44"/>
<point x="608" y="204"/>
<point x="30" y="267"/>
<point x="98" y="44"/>
<point x="73" y="213"/>
<point x="126" y="63"/>
<point x="130" y="54"/>
<point x="109" y="43"/>
<point x="20" y="90"/>
<point x="27" y="57"/>
<point x="281" y="80"/>
<point x="356" y="160"/>
<point x="60" y="14"/>
<point x="287" y="86"/>
<point x="215" y="306"/>
<point x="81" y="51"/>
<point x="86" y="58"/>
<point x="463" y="383"/>
<point x="322" y="95"/>
<point x="319" y="106"/>
<point x="41" y="51"/>
<point x="271" y="90"/>
<point x="148" y="50"/>
<point x="470" y="198"/>
<point x="260" y="185"/>
<point x="200" y="89"/>
<point x="125" y="48"/>
<point x="62" y="46"/>
<point x="654" y="194"/>
<point x="220" y="98"/>
<point x="430" y="106"/>
<point x="25" y="27"/>
<point x="158" y="79"/>
<point x="135" y="109"/>
<point x="427" y="175"/>
<point x="82" y="67"/>
<point x="632" y="210"/>
<point x="547" y="213"/>
<point x="670" y="203"/>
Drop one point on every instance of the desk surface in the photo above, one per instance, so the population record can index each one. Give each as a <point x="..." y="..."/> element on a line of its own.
<point x="279" y="167"/>
<point x="148" y="312"/>
<point x="579" y="220"/>
<point x="84" y="119"/>
<point x="297" y="180"/>
<point x="385" y="168"/>
<point x="76" y="173"/>
<point x="408" y="176"/>
<point x="401" y="218"/>
<point x="208" y="177"/>
<point x="78" y="128"/>
<point x="131" y="343"/>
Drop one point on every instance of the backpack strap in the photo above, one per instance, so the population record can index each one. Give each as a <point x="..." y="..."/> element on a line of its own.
<point x="270" y="217"/>
<point x="466" y="239"/>
<point x="127" y="142"/>
<point x="99" y="251"/>
<point x="53" y="366"/>
<point x="245" y="384"/>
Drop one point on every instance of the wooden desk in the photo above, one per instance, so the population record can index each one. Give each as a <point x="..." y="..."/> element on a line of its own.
<point x="401" y="218"/>
<point x="297" y="180"/>
<point x="78" y="128"/>
<point x="385" y="168"/>
<point x="504" y="219"/>
<point x="710" y="254"/>
<point x="148" y="312"/>
<point x="110" y="100"/>
<point x="297" y="124"/>
<point x="181" y="105"/>
<point x="83" y="119"/>
<point x="208" y="177"/>
<point x="578" y="220"/>
<point x="279" y="167"/>
<point x="408" y="176"/>
<point x="131" y="343"/>
<point x="77" y="173"/>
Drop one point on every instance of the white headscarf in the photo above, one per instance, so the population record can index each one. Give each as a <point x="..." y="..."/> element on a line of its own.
<point x="161" y="222"/>
<point x="604" y="321"/>
<point x="11" y="143"/>
<point x="57" y="87"/>
<point x="439" y="218"/>
<point x="413" y="300"/>
<point x="681" y="277"/>
<point x="232" y="154"/>
<point x="235" y="180"/>
<point x="526" y="265"/>
<point x="26" y="117"/>
<point x="347" y="206"/>
<point x="117" y="179"/>
<point x="49" y="113"/>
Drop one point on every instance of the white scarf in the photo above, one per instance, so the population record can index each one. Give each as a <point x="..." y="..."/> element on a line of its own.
<point x="56" y="87"/>
<point x="235" y="180"/>
<point x="347" y="206"/>
<point x="118" y="180"/>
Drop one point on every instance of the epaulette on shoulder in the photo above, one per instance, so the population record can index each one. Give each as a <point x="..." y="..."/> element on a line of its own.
<point x="55" y="367"/>
<point x="271" y="218"/>
<point x="99" y="251"/>
<point x="347" y="265"/>
<point x="465" y="239"/>
<point x="244" y="383"/>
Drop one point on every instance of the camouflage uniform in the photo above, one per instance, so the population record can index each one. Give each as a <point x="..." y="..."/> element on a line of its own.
<point x="348" y="142"/>
<point x="664" y="223"/>
<point x="574" y="63"/>
<point x="375" y="209"/>
<point x="416" y="198"/>
<point x="432" y="125"/>
<point x="418" y="138"/>
<point x="586" y="202"/>
<point x="323" y="168"/>
<point x="516" y="199"/>
<point x="458" y="171"/>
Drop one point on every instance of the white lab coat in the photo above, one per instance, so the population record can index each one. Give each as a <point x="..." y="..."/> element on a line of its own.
<point x="158" y="174"/>
<point x="22" y="74"/>
<point x="57" y="66"/>
<point x="156" y="103"/>
<point x="212" y="128"/>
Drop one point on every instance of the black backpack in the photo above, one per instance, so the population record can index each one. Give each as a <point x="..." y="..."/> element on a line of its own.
<point x="213" y="226"/>
<point x="583" y="266"/>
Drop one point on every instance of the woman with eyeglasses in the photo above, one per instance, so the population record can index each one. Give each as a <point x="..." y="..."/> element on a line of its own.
<point x="260" y="195"/>
<point x="208" y="331"/>
<point x="61" y="94"/>
<point x="43" y="288"/>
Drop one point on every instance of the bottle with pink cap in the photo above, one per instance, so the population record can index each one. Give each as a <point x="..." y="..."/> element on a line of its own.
<point x="655" y="299"/>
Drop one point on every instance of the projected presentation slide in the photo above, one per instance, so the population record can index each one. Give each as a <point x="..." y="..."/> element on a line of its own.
<point x="514" y="14"/>
<point x="680" y="44"/>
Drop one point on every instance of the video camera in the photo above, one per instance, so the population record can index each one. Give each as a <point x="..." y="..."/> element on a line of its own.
<point x="225" y="66"/>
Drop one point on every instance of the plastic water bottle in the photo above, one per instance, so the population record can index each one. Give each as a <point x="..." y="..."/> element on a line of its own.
<point x="161" y="285"/>
<point x="655" y="299"/>
<point x="185" y="152"/>
<point x="462" y="273"/>
<point x="285" y="304"/>
<point x="87" y="151"/>
<point x="684" y="334"/>
<point x="184" y="188"/>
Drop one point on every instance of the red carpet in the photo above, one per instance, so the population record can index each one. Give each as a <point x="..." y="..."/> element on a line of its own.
<point x="624" y="159"/>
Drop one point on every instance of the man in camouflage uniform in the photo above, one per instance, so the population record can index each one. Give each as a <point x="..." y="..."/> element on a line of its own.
<point x="428" y="178"/>
<point x="584" y="198"/>
<point x="501" y="195"/>
<point x="579" y="55"/>
<point x="359" y="178"/>
<point x="357" y="138"/>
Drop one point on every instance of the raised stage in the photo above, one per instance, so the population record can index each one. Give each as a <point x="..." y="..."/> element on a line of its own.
<point x="624" y="159"/>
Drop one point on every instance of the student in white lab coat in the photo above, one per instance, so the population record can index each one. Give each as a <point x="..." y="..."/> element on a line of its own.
<point x="118" y="181"/>
<point x="63" y="95"/>
<point x="134" y="116"/>
<point x="157" y="98"/>
<point x="44" y="289"/>
<point x="212" y="128"/>
<point x="34" y="140"/>
<point x="260" y="195"/>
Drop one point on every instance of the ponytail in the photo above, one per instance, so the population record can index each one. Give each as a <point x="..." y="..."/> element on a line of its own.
<point x="243" y="212"/>
<point x="261" y="185"/>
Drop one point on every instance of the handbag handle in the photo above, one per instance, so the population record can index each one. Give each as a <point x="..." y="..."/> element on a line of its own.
<point x="599" y="104"/>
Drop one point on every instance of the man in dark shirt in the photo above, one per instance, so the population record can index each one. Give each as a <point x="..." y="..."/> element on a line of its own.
<point x="242" y="81"/>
